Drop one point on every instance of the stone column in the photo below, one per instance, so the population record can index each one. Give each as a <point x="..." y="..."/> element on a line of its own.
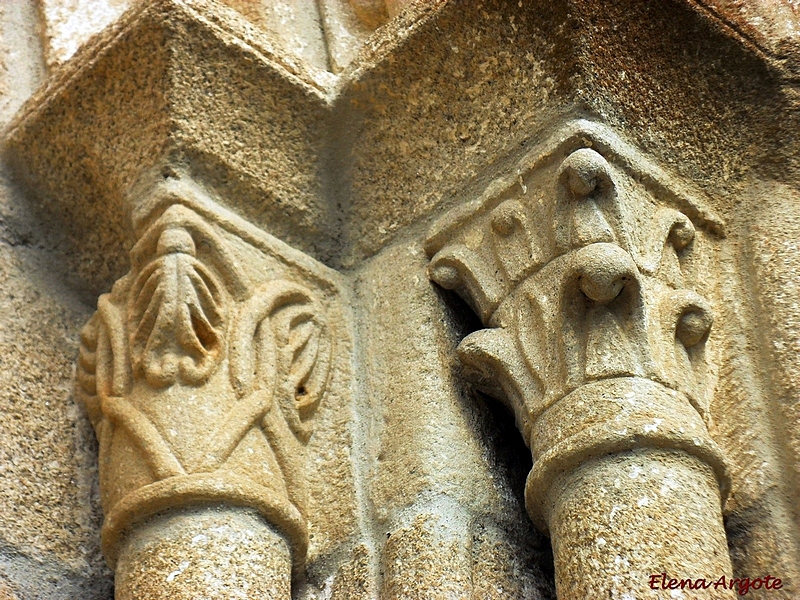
<point x="202" y="372"/>
<point x="624" y="496"/>
<point x="223" y="551"/>
<point x="583" y="270"/>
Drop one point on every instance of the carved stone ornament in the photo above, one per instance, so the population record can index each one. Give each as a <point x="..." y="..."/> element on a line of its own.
<point x="202" y="371"/>
<point x="581" y="267"/>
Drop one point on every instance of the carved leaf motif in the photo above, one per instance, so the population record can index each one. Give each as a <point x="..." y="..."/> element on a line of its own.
<point x="492" y="358"/>
<point x="303" y="355"/>
<point x="176" y="315"/>
<point x="86" y="371"/>
<point x="104" y="381"/>
<point x="594" y="212"/>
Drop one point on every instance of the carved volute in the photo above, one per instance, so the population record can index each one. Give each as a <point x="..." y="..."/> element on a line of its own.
<point x="583" y="271"/>
<point x="261" y="229"/>
<point x="202" y="373"/>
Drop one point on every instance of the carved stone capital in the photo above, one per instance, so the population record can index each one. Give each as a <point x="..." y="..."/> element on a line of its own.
<point x="582" y="269"/>
<point x="203" y="368"/>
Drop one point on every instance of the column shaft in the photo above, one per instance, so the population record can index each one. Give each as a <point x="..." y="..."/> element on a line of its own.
<point x="618" y="520"/>
<point x="214" y="553"/>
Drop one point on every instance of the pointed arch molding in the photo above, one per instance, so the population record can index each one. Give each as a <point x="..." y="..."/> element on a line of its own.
<point x="204" y="367"/>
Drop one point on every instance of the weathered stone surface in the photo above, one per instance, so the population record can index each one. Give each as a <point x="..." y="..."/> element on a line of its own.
<point x="651" y="495"/>
<point x="224" y="553"/>
<point x="333" y="227"/>
<point x="68" y="24"/>
<point x="49" y="506"/>
<point x="427" y="443"/>
<point x="6" y="593"/>
<point x="771" y="26"/>
<point x="582" y="271"/>
<point x="776" y="256"/>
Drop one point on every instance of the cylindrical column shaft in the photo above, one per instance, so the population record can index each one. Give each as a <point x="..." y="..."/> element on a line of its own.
<point x="595" y="336"/>
<point x="619" y="522"/>
<point x="629" y="484"/>
<point x="216" y="553"/>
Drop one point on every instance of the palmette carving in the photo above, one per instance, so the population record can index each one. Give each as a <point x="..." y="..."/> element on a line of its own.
<point x="201" y="384"/>
<point x="176" y="314"/>
<point x="581" y="272"/>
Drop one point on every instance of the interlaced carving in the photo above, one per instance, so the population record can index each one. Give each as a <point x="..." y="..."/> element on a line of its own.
<point x="201" y="384"/>
<point x="583" y="282"/>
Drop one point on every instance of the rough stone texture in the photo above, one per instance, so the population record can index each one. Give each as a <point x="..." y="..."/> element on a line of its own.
<point x="21" y="65"/>
<point x="759" y="513"/>
<point x="768" y="25"/>
<point x="345" y="128"/>
<point x="356" y="578"/>
<point x="775" y="253"/>
<point x="294" y="25"/>
<point x="6" y="593"/>
<point x="585" y="272"/>
<point x="49" y="506"/>
<point x="325" y="35"/>
<point x="68" y="24"/>
<point x="222" y="554"/>
<point x="427" y="443"/>
<point x="633" y="492"/>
